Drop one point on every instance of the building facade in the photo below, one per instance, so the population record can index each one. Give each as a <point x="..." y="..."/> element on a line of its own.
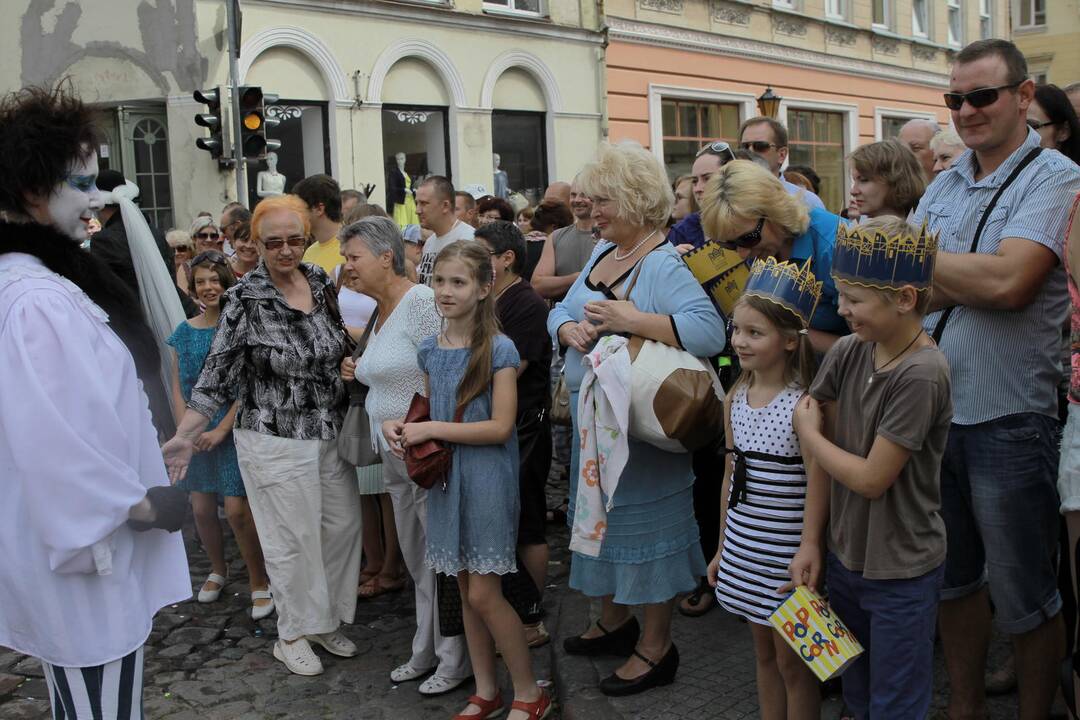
<point x="683" y="72"/>
<point x="1048" y="32"/>
<point x="448" y="84"/>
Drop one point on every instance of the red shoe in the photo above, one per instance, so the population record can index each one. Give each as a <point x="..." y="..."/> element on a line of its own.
<point x="538" y="710"/>
<point x="489" y="709"/>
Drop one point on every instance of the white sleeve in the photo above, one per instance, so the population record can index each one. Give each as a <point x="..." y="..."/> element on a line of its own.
<point x="67" y="445"/>
<point x="424" y="320"/>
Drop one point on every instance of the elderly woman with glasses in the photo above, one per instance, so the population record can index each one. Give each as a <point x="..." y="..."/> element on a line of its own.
<point x="651" y="551"/>
<point x="405" y="315"/>
<point x="213" y="471"/>
<point x="205" y="235"/>
<point x="745" y="207"/>
<point x="279" y="343"/>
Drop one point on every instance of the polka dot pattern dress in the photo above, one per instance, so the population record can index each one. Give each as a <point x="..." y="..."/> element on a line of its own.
<point x="764" y="521"/>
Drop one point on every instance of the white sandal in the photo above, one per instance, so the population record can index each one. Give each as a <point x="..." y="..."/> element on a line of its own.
<point x="298" y="657"/>
<point x="406" y="672"/>
<point x="209" y="596"/>
<point x="258" y="612"/>
<point x="437" y="684"/>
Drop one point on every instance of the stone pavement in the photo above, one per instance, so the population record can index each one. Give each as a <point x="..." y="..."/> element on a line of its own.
<point x="212" y="661"/>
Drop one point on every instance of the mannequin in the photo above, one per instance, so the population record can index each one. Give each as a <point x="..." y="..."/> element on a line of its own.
<point x="400" y="202"/>
<point x="270" y="182"/>
<point x="502" y="182"/>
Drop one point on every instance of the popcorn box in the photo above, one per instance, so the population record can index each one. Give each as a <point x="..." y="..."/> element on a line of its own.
<point x="722" y="272"/>
<point x="814" y="631"/>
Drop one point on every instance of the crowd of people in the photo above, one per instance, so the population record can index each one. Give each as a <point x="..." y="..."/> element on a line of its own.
<point x="900" y="425"/>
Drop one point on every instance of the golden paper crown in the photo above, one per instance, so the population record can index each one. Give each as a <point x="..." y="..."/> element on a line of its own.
<point x="786" y="284"/>
<point x="871" y="257"/>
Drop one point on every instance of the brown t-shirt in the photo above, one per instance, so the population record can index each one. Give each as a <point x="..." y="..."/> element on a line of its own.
<point x="901" y="534"/>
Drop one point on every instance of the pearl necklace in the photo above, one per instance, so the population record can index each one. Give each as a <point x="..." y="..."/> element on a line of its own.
<point x="635" y="248"/>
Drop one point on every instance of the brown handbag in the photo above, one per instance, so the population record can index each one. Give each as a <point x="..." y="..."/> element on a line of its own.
<point x="428" y="462"/>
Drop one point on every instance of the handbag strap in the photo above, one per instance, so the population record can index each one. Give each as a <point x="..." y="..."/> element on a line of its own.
<point x="362" y="345"/>
<point x="939" y="329"/>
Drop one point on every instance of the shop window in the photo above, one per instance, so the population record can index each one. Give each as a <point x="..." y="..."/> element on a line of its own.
<point x="816" y="138"/>
<point x="1032" y="13"/>
<point x="890" y="126"/>
<point x="690" y="124"/>
<point x="518" y="139"/>
<point x="304" y="133"/>
<point x="420" y="132"/>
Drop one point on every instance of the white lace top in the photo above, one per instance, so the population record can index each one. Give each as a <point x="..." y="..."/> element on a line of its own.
<point x="389" y="365"/>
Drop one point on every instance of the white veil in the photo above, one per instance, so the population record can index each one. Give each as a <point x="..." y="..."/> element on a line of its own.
<point x="157" y="286"/>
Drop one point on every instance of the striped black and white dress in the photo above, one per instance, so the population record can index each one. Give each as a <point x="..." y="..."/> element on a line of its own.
<point x="765" y="506"/>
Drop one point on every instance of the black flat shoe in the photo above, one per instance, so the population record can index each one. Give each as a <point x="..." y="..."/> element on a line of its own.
<point x="660" y="673"/>
<point x="620" y="642"/>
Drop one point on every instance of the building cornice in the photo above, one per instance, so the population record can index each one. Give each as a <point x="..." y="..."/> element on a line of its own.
<point x="635" y="31"/>
<point x="443" y="16"/>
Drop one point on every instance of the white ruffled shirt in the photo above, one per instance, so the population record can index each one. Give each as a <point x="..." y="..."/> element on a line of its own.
<point x="77" y="449"/>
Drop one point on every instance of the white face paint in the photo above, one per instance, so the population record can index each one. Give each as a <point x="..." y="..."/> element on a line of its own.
<point x="74" y="202"/>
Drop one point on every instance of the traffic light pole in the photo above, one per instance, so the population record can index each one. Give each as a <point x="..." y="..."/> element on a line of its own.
<point x="234" y="96"/>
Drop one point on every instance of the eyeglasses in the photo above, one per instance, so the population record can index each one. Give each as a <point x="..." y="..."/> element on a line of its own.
<point x="1036" y="125"/>
<point x="208" y="236"/>
<point x="976" y="98"/>
<point x="758" y="146"/>
<point x="717" y="148"/>
<point x="211" y="256"/>
<point x="296" y="241"/>
<point x="752" y="238"/>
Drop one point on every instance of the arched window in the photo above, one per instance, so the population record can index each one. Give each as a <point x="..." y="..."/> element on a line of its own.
<point x="151" y="142"/>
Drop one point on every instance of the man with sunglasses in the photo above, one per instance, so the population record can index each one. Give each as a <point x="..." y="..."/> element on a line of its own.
<point x="1002" y="339"/>
<point x="768" y="139"/>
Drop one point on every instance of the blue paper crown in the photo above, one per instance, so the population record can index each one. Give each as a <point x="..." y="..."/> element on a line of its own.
<point x="793" y="288"/>
<point x="871" y="257"/>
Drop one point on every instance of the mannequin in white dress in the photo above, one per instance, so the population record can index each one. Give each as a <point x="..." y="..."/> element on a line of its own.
<point x="269" y="181"/>
<point x="502" y="182"/>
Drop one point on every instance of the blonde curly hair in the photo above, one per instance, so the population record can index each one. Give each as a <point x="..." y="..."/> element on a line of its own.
<point x="743" y="191"/>
<point x="633" y="178"/>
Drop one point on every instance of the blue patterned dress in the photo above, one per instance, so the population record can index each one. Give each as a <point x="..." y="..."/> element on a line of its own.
<point x="215" y="471"/>
<point x="472" y="524"/>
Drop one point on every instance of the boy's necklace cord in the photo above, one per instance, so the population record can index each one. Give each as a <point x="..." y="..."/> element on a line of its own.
<point x="897" y="356"/>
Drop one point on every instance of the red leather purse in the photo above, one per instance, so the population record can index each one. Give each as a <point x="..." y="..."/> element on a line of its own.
<point x="428" y="462"/>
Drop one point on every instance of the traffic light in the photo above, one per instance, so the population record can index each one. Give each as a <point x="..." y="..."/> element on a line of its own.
<point x="254" y="123"/>
<point x="213" y="119"/>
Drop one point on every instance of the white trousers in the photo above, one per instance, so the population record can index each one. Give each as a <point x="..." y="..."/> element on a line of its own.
<point x="429" y="647"/>
<point x="306" y="507"/>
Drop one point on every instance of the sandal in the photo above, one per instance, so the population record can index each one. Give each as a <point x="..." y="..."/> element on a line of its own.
<point x="536" y="635"/>
<point x="693" y="606"/>
<point x="489" y="709"/>
<point x="538" y="709"/>
<point x="376" y="586"/>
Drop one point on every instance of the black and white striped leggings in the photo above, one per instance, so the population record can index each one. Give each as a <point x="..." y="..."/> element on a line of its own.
<point x="112" y="691"/>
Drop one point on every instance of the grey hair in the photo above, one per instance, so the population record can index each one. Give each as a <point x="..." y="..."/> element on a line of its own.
<point x="946" y="137"/>
<point x="380" y="235"/>
<point x="932" y="125"/>
<point x="202" y="221"/>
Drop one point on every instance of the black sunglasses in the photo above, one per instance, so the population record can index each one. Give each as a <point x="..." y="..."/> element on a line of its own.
<point x="211" y="256"/>
<point x="976" y="98"/>
<point x="717" y="148"/>
<point x="296" y="241"/>
<point x="750" y="239"/>
<point x="1036" y="125"/>
<point x="208" y="236"/>
<point x="758" y="146"/>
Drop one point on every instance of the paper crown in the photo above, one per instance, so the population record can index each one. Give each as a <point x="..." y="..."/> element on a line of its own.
<point x="871" y="257"/>
<point x="793" y="288"/>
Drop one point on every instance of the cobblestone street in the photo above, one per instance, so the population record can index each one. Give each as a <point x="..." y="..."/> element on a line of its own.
<point x="213" y="662"/>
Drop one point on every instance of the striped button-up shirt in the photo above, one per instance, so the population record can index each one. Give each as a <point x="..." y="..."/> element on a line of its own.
<point x="1004" y="362"/>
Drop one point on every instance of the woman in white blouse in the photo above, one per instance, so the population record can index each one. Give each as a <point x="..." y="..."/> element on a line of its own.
<point x="374" y="251"/>
<point x="81" y="475"/>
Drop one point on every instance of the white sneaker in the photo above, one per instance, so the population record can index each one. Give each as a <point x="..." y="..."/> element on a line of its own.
<point x="437" y="684"/>
<point x="406" y="672"/>
<point x="336" y="643"/>
<point x="298" y="657"/>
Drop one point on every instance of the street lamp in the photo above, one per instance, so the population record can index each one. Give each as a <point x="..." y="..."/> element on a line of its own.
<point x="769" y="103"/>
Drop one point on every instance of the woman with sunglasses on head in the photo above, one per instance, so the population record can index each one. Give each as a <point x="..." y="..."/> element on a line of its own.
<point x="746" y="207"/>
<point x="1052" y="116"/>
<point x="213" y="470"/>
<point x="687" y="234"/>
<point x="652" y="549"/>
<point x="277" y="349"/>
<point x="205" y="235"/>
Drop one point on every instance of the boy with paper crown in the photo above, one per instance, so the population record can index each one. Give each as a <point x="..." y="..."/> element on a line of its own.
<point x="876" y="420"/>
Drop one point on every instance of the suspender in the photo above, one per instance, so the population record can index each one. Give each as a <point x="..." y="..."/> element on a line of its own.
<point x="939" y="329"/>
